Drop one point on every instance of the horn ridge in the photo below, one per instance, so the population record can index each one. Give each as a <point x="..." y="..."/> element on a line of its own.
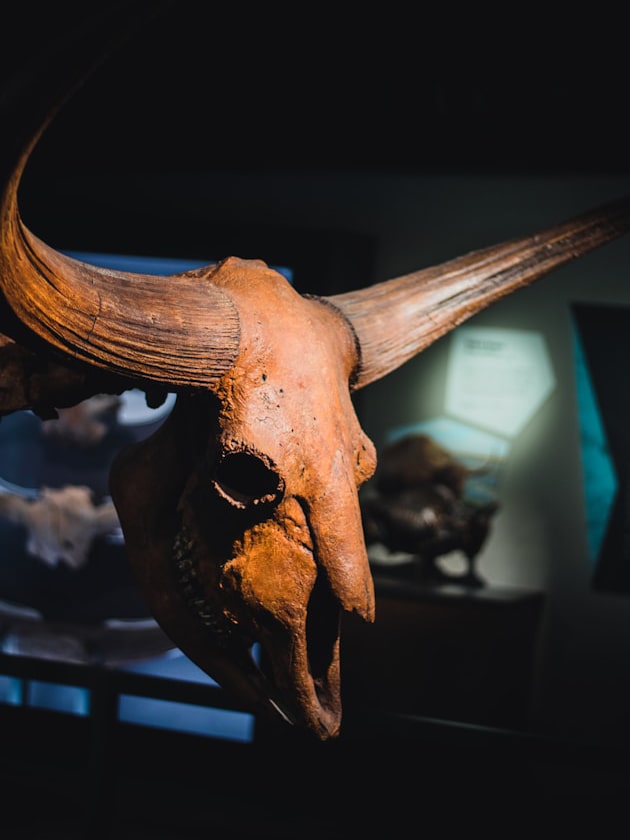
<point x="182" y="331"/>
<point x="396" y="319"/>
<point x="135" y="326"/>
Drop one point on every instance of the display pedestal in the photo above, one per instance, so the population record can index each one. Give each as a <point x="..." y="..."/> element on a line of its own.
<point x="445" y="652"/>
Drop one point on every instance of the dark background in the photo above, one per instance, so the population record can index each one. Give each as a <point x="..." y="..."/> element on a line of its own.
<point x="208" y="87"/>
<point x="231" y="89"/>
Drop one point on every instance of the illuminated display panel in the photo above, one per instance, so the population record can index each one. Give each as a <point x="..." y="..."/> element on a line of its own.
<point x="601" y="338"/>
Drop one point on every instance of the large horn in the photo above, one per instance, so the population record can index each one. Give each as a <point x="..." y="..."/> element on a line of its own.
<point x="397" y="319"/>
<point x="183" y="332"/>
<point x="180" y="331"/>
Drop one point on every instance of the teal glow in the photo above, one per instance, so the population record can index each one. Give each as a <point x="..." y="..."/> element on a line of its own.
<point x="11" y="690"/>
<point x="600" y="481"/>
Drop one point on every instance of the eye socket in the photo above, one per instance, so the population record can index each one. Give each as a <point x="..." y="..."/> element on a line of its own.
<point x="244" y="479"/>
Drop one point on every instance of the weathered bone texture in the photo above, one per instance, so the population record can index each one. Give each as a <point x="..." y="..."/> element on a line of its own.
<point x="241" y="514"/>
<point x="61" y="524"/>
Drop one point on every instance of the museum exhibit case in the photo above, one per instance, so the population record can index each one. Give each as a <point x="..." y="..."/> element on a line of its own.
<point x="449" y="673"/>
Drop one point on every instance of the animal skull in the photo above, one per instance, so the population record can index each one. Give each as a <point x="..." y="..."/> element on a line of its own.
<point x="244" y="544"/>
<point x="241" y="513"/>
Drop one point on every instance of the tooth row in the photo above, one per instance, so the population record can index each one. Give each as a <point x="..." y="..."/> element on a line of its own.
<point x="186" y="573"/>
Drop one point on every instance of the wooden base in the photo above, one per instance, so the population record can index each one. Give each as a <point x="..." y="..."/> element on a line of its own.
<point x="446" y="652"/>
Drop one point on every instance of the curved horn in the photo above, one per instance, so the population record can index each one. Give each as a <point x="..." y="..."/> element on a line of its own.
<point x="182" y="333"/>
<point x="185" y="332"/>
<point x="397" y="319"/>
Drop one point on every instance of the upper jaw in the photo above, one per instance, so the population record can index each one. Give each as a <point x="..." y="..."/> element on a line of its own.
<point x="260" y="584"/>
<point x="296" y="675"/>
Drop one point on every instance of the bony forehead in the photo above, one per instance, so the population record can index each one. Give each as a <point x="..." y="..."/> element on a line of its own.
<point x="303" y="392"/>
<point x="279" y="326"/>
<point x="307" y="453"/>
<point x="285" y="415"/>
